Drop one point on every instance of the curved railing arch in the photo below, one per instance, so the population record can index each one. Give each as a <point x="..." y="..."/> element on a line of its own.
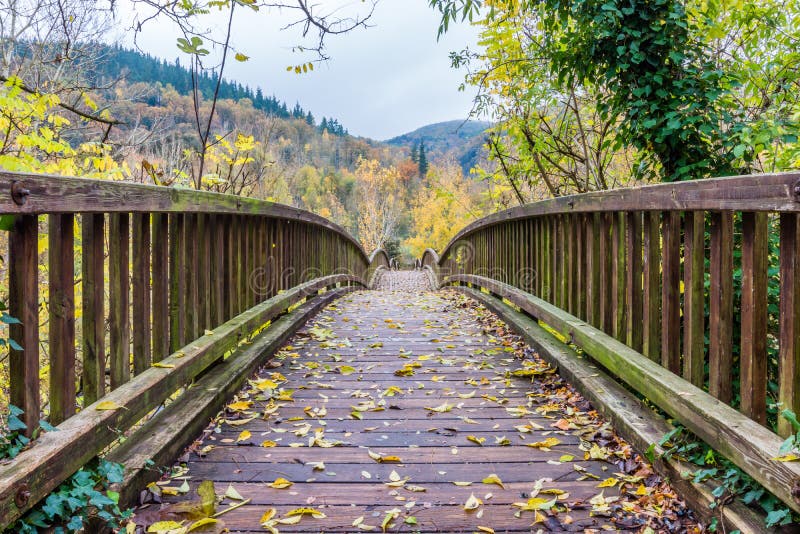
<point x="622" y="274"/>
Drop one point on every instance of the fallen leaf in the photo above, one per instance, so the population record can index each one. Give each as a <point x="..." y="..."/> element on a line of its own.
<point x="108" y="405"/>
<point x="280" y="483"/>
<point x="493" y="479"/>
<point x="472" y="503"/>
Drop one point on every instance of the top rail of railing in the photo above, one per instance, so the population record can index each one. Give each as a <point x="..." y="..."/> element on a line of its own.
<point x="23" y="193"/>
<point x="779" y="192"/>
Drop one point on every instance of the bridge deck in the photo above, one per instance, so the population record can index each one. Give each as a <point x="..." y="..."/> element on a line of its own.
<point x="417" y="391"/>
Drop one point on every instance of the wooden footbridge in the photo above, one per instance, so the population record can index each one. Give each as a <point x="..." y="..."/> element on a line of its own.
<point x="201" y="339"/>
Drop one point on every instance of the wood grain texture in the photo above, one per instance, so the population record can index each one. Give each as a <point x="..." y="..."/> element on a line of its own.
<point x="23" y="305"/>
<point x="61" y="263"/>
<point x="720" y="324"/>
<point x="789" y="356"/>
<point x="92" y="307"/>
<point x="737" y="437"/>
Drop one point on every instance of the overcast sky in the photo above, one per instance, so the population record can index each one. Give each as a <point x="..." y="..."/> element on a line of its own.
<point x="380" y="82"/>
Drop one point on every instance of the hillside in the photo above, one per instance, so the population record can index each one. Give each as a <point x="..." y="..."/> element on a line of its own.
<point x="462" y="140"/>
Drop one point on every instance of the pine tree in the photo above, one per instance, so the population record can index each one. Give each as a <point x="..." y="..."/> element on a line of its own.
<point x="310" y="119"/>
<point x="423" y="160"/>
<point x="415" y="153"/>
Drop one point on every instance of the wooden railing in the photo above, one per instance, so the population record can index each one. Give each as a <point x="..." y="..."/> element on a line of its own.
<point x="168" y="282"/>
<point x="646" y="282"/>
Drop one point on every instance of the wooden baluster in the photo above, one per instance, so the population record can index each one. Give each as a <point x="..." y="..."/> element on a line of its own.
<point x="720" y="326"/>
<point x="62" y="316"/>
<point x="191" y="326"/>
<point x="605" y="266"/>
<point x="177" y="282"/>
<point x="23" y="305"/>
<point x="251" y="261"/>
<point x="119" y="298"/>
<point x="161" y="287"/>
<point x="670" y="291"/>
<point x="202" y="272"/>
<point x="93" y="307"/>
<point x="651" y="280"/>
<point x="216" y="247"/>
<point x="580" y="261"/>
<point x="141" y="293"/>
<point x="753" y="377"/>
<point x="566" y="264"/>
<point x="593" y="271"/>
<point x="693" y="299"/>
<point x="619" y="276"/>
<point x="633" y="282"/>
<point x="789" y="359"/>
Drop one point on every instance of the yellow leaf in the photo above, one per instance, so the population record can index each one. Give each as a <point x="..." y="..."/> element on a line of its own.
<point x="472" y="503"/>
<point x="475" y="439"/>
<point x="608" y="483"/>
<point x="313" y="512"/>
<point x="493" y="479"/>
<point x="488" y="530"/>
<point x="202" y="523"/>
<point x="280" y="483"/>
<point x="269" y="443"/>
<point x="269" y="514"/>
<point x="240" y="406"/>
<point x="442" y="408"/>
<point x="163" y="365"/>
<point x="241" y="57"/>
<point x="546" y="444"/>
<point x="461" y="483"/>
<point x="208" y="497"/>
<point x="243" y="436"/>
<point x="346" y="370"/>
<point x="791" y="457"/>
<point x="108" y="405"/>
<point x="164" y="526"/>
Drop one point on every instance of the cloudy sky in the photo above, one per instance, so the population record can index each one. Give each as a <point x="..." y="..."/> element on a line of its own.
<point x="380" y="82"/>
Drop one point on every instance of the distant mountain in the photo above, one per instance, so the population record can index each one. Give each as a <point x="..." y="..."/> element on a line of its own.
<point x="460" y="139"/>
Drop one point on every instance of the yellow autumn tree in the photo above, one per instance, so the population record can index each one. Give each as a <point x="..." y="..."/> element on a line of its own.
<point x="445" y="203"/>
<point x="379" y="203"/>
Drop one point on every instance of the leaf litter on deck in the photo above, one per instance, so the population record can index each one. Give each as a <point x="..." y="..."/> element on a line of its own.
<point x="339" y="440"/>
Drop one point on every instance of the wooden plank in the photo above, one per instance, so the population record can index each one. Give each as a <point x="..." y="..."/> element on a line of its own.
<point x="670" y="291"/>
<point x="162" y="438"/>
<point x="636" y="422"/>
<point x="720" y="324"/>
<point x="57" y="455"/>
<point x="61" y="284"/>
<point x="737" y="437"/>
<point x="693" y="298"/>
<point x="753" y="361"/>
<point x="92" y="308"/>
<point x="652" y="286"/>
<point x="203" y="274"/>
<point x="161" y="287"/>
<point x="789" y="356"/>
<point x="23" y="305"/>
<point x="634" y="297"/>
<point x="119" y="299"/>
<point x="142" y="354"/>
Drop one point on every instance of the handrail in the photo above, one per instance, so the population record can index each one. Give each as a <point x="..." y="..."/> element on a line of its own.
<point x="779" y="192"/>
<point x="46" y="193"/>
<point x="168" y="271"/>
<point x="631" y="263"/>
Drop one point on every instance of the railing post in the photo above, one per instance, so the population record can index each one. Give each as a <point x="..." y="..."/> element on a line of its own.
<point x="62" y="316"/>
